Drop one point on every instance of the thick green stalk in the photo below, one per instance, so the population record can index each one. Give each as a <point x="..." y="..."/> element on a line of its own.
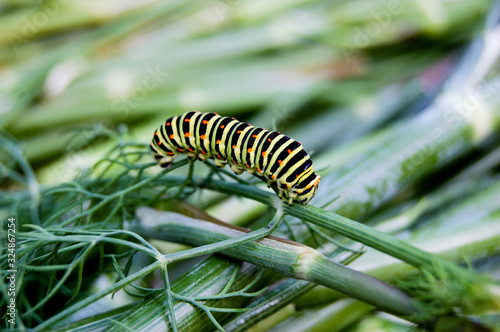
<point x="334" y="317"/>
<point x="290" y="259"/>
<point x="336" y="223"/>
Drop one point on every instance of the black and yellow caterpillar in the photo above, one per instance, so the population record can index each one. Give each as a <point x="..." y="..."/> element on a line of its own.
<point x="269" y="155"/>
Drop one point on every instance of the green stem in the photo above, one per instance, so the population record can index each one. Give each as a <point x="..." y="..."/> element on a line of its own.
<point x="293" y="260"/>
<point x="94" y="297"/>
<point x="341" y="225"/>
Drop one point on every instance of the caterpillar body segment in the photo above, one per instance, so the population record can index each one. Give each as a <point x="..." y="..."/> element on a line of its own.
<point x="269" y="155"/>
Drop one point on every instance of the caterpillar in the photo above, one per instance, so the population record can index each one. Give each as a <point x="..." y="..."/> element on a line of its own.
<point x="269" y="155"/>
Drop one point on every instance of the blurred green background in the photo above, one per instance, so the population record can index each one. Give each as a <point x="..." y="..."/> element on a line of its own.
<point x="71" y="70"/>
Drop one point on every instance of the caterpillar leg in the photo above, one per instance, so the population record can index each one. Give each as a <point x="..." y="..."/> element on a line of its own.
<point x="219" y="163"/>
<point x="165" y="162"/>
<point x="250" y="170"/>
<point x="237" y="170"/>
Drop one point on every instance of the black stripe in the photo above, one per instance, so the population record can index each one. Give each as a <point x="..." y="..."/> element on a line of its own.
<point x="186" y="129"/>
<point x="304" y="182"/>
<point x="251" y="143"/>
<point x="301" y="169"/>
<point x="212" y="134"/>
<point x="203" y="126"/>
<point x="283" y="155"/>
<point x="203" y="129"/>
<point x="244" y="144"/>
<point x="156" y="139"/>
<point x="228" y="139"/>
<point x="169" y="131"/>
<point x="180" y="133"/>
<point x="272" y="135"/>
<point x="274" y="149"/>
<point x="196" y="129"/>
<point x="218" y="135"/>
<point x="307" y="190"/>
<point x="234" y="140"/>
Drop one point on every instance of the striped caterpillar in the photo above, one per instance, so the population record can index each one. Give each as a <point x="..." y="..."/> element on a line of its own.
<point x="269" y="155"/>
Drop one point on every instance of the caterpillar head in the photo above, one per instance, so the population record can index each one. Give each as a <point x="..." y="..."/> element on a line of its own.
<point x="305" y="189"/>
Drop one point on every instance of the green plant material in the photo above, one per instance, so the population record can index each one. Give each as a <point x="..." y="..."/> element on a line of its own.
<point x="234" y="287"/>
<point x="273" y="302"/>
<point x="299" y="63"/>
<point x="334" y="317"/>
<point x="292" y="260"/>
<point x="277" y="61"/>
<point x="190" y="317"/>
<point x="447" y="233"/>
<point x="339" y="224"/>
<point x="381" y="322"/>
